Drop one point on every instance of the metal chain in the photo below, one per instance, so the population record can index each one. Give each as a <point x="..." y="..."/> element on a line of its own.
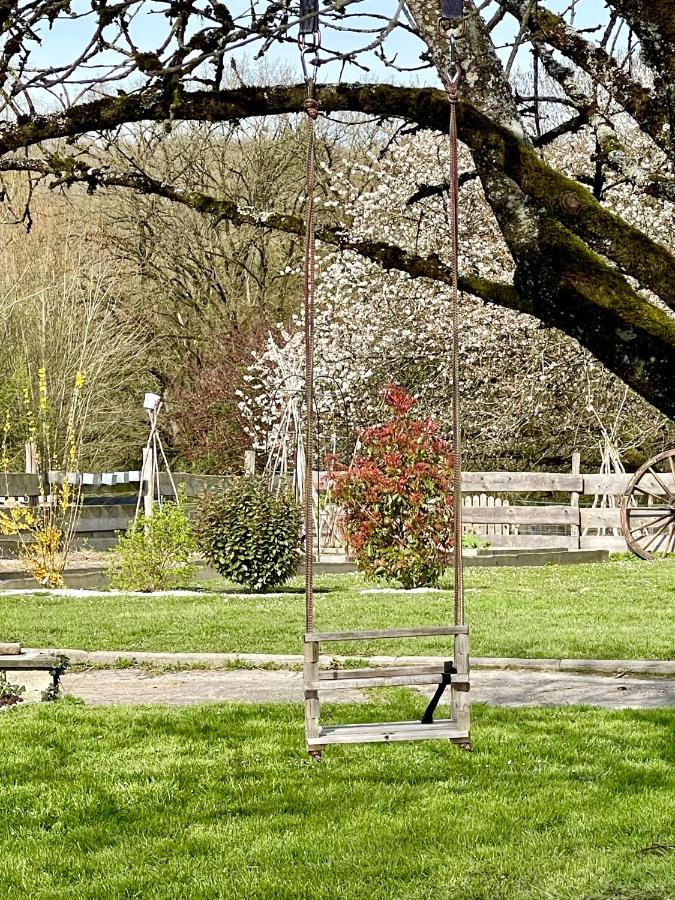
<point x="452" y="85"/>
<point x="312" y="109"/>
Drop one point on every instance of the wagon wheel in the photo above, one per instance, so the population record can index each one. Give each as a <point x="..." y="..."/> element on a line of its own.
<point x="648" y="508"/>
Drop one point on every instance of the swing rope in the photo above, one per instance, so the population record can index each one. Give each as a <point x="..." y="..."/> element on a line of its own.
<point x="452" y="12"/>
<point x="309" y="40"/>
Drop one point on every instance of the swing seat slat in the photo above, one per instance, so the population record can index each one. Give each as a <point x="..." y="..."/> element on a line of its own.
<point x="380" y="672"/>
<point x="347" y="679"/>
<point x="429" y="631"/>
<point x="374" y="732"/>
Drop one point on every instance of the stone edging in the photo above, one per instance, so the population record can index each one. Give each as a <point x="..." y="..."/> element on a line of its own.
<point x="213" y="660"/>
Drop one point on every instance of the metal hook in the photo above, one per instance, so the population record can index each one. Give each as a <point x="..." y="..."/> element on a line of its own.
<point x="449" y="27"/>
<point x="309" y="43"/>
<point x="454" y="77"/>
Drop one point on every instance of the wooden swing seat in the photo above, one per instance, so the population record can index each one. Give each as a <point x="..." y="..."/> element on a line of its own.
<point x="455" y="729"/>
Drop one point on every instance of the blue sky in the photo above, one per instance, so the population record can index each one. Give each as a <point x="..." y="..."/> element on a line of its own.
<point x="65" y="40"/>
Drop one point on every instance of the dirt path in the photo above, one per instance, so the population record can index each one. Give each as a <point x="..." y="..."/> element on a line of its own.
<point x="498" y="688"/>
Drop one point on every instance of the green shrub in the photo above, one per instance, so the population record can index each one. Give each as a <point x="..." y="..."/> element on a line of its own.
<point x="250" y="534"/>
<point x="396" y="497"/>
<point x="472" y="541"/>
<point x="154" y="553"/>
<point x="10" y="694"/>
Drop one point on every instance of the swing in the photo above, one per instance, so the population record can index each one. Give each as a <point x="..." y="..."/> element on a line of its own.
<point x="453" y="673"/>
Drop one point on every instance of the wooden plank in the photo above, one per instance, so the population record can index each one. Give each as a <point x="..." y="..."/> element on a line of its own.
<point x="617" y="484"/>
<point x="601" y="518"/>
<point x="521" y="515"/>
<point x="320" y="636"/>
<point x="603" y="542"/>
<point x="102" y="512"/>
<point x="310" y="675"/>
<point x="531" y="542"/>
<point x="104" y="527"/>
<point x="389" y="681"/>
<point x="459" y="704"/>
<point x="193" y="484"/>
<point x="508" y="482"/>
<point x="379" y="672"/>
<point x="19" y="484"/>
<point x="31" y="661"/>
<point x="388" y="731"/>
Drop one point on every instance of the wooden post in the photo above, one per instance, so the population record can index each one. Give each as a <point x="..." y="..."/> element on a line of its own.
<point x="459" y="695"/>
<point x="31" y="459"/>
<point x="575" y="529"/>
<point x="311" y="676"/>
<point x="148" y="481"/>
<point x="32" y="469"/>
<point x="249" y="462"/>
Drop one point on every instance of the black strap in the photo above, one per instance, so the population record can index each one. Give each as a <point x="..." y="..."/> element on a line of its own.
<point x="452" y="9"/>
<point x="448" y="671"/>
<point x="309" y="16"/>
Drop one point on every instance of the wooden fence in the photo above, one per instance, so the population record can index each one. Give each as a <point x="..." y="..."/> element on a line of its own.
<point x="109" y="501"/>
<point x="568" y="521"/>
<point x="508" y="507"/>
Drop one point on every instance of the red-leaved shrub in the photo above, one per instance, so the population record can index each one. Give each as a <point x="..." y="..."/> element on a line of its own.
<point x="396" y="497"/>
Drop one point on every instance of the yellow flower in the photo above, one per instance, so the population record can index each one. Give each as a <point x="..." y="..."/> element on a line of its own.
<point x="79" y="381"/>
<point x="42" y="388"/>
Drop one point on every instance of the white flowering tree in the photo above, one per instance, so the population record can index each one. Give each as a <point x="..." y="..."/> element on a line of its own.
<point x="530" y="394"/>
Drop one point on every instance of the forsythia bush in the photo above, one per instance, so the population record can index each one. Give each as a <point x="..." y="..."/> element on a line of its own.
<point x="396" y="497"/>
<point x="249" y="533"/>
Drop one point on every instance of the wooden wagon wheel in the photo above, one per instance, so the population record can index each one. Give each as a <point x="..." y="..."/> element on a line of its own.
<point x="648" y="508"/>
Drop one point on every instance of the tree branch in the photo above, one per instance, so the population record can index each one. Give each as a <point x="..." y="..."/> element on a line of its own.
<point x="638" y="255"/>
<point x="649" y="111"/>
<point x="619" y="318"/>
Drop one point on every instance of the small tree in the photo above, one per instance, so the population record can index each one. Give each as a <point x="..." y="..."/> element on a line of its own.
<point x="155" y="552"/>
<point x="397" y="497"/>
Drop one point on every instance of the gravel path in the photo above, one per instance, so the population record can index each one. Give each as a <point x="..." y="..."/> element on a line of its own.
<point x="498" y="688"/>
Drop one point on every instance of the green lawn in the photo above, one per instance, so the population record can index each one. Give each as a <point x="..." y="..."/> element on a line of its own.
<point x="222" y="801"/>
<point x="623" y="609"/>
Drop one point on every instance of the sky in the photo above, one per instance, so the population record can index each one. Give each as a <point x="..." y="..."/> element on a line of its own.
<point x="64" y="41"/>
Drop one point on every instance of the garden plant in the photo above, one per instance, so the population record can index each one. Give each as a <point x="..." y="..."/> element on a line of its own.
<point x="155" y="552"/>
<point x="396" y="497"/>
<point x="250" y="533"/>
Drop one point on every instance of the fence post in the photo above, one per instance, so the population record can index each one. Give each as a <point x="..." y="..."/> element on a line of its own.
<point x="148" y="480"/>
<point x="575" y="530"/>
<point x="31" y="459"/>
<point x="249" y="462"/>
<point x="31" y="468"/>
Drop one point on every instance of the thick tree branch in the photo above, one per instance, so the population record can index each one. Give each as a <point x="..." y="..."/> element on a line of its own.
<point x="638" y="255"/>
<point x="68" y="172"/>
<point x="620" y="319"/>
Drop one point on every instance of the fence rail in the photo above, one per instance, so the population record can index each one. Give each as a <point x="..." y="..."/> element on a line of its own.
<point x="511" y="521"/>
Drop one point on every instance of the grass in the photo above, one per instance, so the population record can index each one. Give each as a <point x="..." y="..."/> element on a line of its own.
<point x="222" y="801"/>
<point x="623" y="609"/>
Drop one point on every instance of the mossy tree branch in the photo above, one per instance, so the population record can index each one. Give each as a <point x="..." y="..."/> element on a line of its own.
<point x="639" y="256"/>
<point x="598" y="308"/>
